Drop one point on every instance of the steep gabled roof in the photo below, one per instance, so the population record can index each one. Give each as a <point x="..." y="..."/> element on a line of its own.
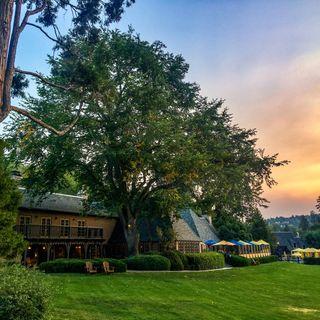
<point x="200" y="225"/>
<point x="184" y="232"/>
<point x="287" y="239"/>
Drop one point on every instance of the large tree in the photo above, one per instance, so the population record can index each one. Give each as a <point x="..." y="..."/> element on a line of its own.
<point x="146" y="136"/>
<point x="18" y="15"/>
<point x="11" y="243"/>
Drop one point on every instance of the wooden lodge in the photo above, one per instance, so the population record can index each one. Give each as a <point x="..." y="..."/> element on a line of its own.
<point x="57" y="226"/>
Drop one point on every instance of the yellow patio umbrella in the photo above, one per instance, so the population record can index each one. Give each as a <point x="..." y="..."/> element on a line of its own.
<point x="310" y="250"/>
<point x="263" y="242"/>
<point x="297" y="254"/>
<point x="255" y="243"/>
<point x="297" y="250"/>
<point x="224" y="243"/>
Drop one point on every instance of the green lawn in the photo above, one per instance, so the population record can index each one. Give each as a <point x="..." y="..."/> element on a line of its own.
<point x="273" y="291"/>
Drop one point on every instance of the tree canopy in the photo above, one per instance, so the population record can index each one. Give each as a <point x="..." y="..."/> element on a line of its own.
<point x="16" y="16"/>
<point x="146" y="136"/>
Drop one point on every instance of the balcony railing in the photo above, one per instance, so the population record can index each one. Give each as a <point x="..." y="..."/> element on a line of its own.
<point x="57" y="232"/>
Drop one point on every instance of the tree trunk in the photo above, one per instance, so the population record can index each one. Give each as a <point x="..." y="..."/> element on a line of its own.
<point x="133" y="239"/>
<point x="130" y="230"/>
<point x="6" y="11"/>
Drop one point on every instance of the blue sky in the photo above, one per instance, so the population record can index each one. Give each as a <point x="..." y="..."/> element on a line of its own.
<point x="263" y="57"/>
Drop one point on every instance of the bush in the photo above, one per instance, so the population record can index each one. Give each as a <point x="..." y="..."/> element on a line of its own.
<point x="24" y="295"/>
<point x="267" y="259"/>
<point x="183" y="258"/>
<point x="148" y="262"/>
<point x="64" y="266"/>
<point x="313" y="261"/>
<point x="205" y="261"/>
<point x="237" y="261"/>
<point x="175" y="260"/>
<point x="119" y="266"/>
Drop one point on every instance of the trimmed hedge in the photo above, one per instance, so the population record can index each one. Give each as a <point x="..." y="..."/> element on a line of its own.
<point x="205" y="261"/>
<point x="267" y="259"/>
<point x="174" y="257"/>
<point x="313" y="261"/>
<point x="78" y="265"/>
<point x="237" y="261"/>
<point x="183" y="258"/>
<point x="148" y="262"/>
<point x="119" y="266"/>
<point x="64" y="266"/>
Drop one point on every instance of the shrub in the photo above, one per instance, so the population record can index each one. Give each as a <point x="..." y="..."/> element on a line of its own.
<point x="152" y="253"/>
<point x="205" y="261"/>
<point x="64" y="266"/>
<point x="24" y="294"/>
<point x="175" y="260"/>
<point x="267" y="259"/>
<point x="237" y="261"/>
<point x="312" y="261"/>
<point x="119" y="266"/>
<point x="183" y="258"/>
<point x="148" y="262"/>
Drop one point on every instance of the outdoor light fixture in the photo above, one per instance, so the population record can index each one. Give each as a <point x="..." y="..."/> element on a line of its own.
<point x="29" y="248"/>
<point x="44" y="248"/>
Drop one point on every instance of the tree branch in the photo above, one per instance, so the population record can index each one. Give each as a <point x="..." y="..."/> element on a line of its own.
<point x="44" y="32"/>
<point x="45" y="125"/>
<point x="44" y="80"/>
<point x="31" y="13"/>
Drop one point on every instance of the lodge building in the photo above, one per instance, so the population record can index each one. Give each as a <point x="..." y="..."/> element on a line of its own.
<point x="58" y="226"/>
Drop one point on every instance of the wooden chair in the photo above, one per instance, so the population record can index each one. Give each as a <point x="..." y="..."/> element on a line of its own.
<point x="89" y="268"/>
<point x="106" y="267"/>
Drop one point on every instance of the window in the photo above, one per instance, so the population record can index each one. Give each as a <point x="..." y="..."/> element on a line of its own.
<point x="45" y="227"/>
<point x="24" y="225"/>
<point x="81" y="228"/>
<point x="64" y="228"/>
<point x="25" y="220"/>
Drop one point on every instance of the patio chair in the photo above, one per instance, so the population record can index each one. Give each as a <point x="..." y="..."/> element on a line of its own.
<point x="90" y="268"/>
<point x="106" y="267"/>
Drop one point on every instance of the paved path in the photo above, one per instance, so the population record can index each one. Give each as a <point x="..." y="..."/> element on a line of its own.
<point x="181" y="271"/>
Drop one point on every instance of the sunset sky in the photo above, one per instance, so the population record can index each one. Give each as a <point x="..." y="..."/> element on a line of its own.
<point x="262" y="57"/>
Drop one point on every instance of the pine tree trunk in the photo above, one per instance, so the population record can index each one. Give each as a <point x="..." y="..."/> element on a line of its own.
<point x="6" y="11"/>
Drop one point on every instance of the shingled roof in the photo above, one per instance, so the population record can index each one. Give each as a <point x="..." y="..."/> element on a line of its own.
<point x="288" y="240"/>
<point x="200" y="225"/>
<point x="184" y="232"/>
<point x="59" y="202"/>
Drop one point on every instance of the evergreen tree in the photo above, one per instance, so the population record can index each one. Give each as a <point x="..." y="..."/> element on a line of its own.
<point x="304" y="223"/>
<point x="11" y="243"/>
<point x="258" y="227"/>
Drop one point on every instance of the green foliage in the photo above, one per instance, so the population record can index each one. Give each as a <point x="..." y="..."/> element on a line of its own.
<point x="119" y="265"/>
<point x="205" y="261"/>
<point x="312" y="238"/>
<point x="148" y="262"/>
<point x="64" y="266"/>
<point x="175" y="260"/>
<point x="183" y="258"/>
<point x="230" y="227"/>
<point x="267" y="259"/>
<point x="237" y="261"/>
<point x="11" y="243"/>
<point x="24" y="294"/>
<point x="304" y="223"/>
<point x="155" y="143"/>
<point x="258" y="227"/>
<point x="314" y="261"/>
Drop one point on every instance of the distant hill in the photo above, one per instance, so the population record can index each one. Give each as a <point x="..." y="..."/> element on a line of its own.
<point x="293" y="222"/>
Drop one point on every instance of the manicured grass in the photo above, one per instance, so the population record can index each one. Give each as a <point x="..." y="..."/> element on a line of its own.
<point x="271" y="292"/>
